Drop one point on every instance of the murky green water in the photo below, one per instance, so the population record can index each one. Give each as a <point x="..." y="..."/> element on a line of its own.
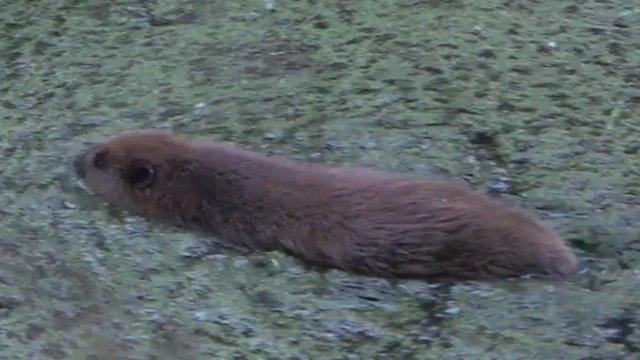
<point x="538" y="100"/>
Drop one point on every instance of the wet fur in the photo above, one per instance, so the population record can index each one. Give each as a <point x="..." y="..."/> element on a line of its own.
<point x="357" y="220"/>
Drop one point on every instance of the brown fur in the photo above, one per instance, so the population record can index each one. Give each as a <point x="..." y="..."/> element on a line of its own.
<point x="357" y="220"/>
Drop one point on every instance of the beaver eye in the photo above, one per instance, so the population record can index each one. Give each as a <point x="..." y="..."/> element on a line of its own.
<point x="140" y="174"/>
<point x="99" y="160"/>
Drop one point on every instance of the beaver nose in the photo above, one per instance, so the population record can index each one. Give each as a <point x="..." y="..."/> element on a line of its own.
<point x="78" y="165"/>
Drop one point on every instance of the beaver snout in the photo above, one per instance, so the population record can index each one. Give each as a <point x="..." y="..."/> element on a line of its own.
<point x="79" y="165"/>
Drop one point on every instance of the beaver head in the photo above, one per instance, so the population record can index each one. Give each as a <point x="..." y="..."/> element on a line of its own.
<point x="133" y="170"/>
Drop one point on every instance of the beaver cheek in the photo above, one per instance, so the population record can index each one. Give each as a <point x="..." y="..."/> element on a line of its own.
<point x="141" y="197"/>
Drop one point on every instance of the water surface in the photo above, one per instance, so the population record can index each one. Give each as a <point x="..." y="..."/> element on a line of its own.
<point x="537" y="101"/>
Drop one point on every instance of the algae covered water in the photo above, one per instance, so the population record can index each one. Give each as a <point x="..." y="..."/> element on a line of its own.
<point x="538" y="102"/>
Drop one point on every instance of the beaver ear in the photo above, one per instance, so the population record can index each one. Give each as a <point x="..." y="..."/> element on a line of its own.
<point x="140" y="174"/>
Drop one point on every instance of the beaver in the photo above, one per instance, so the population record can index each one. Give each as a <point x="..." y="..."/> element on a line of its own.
<point x="358" y="220"/>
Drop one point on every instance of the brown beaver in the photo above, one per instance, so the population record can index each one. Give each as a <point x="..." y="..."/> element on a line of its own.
<point x="358" y="220"/>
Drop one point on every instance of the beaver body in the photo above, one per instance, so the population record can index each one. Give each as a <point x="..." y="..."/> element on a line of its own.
<point x="358" y="220"/>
